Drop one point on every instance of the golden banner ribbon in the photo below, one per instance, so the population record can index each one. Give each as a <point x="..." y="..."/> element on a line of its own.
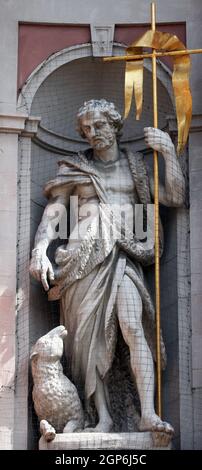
<point x="180" y="79"/>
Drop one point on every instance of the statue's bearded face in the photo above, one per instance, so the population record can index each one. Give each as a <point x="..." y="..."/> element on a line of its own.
<point x="97" y="130"/>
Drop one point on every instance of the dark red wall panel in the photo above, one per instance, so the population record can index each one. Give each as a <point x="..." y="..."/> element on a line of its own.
<point x="39" y="41"/>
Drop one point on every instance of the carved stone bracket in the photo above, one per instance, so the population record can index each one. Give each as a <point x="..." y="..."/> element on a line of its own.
<point x="31" y="126"/>
<point x="102" y="39"/>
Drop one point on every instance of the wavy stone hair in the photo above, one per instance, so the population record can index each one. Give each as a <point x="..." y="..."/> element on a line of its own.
<point x="108" y="109"/>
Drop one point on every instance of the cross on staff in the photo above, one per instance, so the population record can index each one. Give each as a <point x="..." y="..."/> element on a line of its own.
<point x="158" y="41"/>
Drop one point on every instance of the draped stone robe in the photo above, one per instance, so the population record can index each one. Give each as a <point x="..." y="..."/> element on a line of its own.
<point x="88" y="276"/>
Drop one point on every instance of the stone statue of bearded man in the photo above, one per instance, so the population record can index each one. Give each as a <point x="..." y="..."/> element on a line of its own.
<point x="98" y="277"/>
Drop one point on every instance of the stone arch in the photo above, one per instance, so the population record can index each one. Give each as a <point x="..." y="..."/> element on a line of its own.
<point x="52" y="63"/>
<point x="36" y="87"/>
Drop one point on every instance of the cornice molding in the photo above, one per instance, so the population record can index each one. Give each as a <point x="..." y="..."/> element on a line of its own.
<point x="196" y="123"/>
<point x="19" y="124"/>
<point x="12" y="123"/>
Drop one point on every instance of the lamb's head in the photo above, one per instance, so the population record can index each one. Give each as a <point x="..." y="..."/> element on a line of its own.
<point x="50" y="346"/>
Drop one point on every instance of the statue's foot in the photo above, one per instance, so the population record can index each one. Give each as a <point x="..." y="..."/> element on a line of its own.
<point x="162" y="432"/>
<point x="102" y="426"/>
<point x="154" y="423"/>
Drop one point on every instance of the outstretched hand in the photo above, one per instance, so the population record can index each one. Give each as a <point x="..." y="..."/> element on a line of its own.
<point x="41" y="268"/>
<point x="158" y="140"/>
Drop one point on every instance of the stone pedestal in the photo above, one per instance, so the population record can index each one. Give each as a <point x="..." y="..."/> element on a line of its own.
<point x="111" y="441"/>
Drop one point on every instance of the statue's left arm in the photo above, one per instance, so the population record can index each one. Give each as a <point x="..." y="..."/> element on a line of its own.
<point x="172" y="193"/>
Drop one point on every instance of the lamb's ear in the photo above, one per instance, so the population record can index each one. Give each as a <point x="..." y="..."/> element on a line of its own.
<point x="33" y="353"/>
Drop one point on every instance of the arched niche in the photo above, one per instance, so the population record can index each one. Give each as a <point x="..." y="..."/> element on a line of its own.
<point x="53" y="92"/>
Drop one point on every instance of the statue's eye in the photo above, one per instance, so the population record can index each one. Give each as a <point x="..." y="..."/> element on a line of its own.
<point x="100" y="124"/>
<point x="86" y="128"/>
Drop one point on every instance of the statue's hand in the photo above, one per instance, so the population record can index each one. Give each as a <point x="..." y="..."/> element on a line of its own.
<point x="41" y="267"/>
<point x="158" y="140"/>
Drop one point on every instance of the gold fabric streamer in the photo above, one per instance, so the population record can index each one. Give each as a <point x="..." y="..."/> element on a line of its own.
<point x="180" y="79"/>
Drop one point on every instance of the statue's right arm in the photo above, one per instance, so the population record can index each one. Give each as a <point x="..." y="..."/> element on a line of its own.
<point x="40" y="265"/>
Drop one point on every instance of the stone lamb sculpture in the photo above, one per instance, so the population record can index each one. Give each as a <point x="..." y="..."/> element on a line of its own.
<point x="56" y="400"/>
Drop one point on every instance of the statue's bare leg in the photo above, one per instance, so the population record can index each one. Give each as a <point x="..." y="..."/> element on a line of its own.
<point x="101" y="399"/>
<point x="129" y="307"/>
<point x="72" y="426"/>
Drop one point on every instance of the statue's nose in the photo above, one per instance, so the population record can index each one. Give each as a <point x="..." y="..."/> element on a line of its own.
<point x="93" y="131"/>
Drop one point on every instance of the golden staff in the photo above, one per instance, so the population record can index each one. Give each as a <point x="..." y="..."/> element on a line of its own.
<point x="156" y="219"/>
<point x="149" y="55"/>
<point x="171" y="46"/>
